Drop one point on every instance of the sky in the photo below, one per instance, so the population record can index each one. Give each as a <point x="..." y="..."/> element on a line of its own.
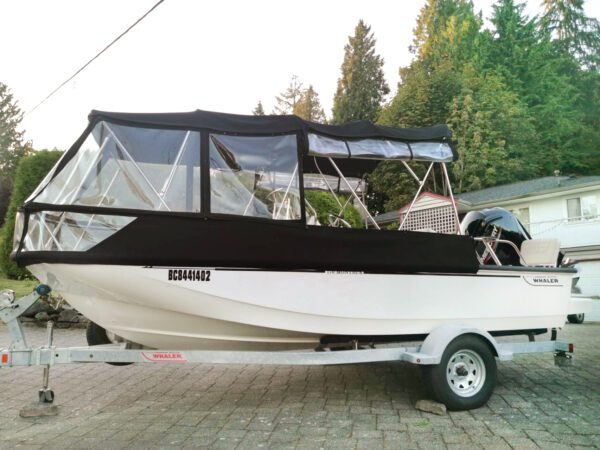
<point x="221" y="55"/>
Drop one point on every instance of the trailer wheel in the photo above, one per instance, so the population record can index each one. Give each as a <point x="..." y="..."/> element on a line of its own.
<point x="96" y="335"/>
<point x="576" y="318"/>
<point x="466" y="375"/>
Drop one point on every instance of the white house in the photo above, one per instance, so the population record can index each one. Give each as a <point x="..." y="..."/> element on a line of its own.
<point x="566" y="208"/>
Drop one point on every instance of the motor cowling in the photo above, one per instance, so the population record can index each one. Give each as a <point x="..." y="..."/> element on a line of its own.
<point x="496" y="223"/>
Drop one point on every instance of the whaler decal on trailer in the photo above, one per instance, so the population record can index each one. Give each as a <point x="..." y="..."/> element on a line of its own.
<point x="542" y="280"/>
<point x="164" y="356"/>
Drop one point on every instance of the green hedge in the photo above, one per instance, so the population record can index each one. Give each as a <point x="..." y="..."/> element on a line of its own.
<point x="31" y="171"/>
<point x="325" y="204"/>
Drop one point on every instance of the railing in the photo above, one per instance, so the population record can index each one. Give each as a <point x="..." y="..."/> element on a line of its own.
<point x="572" y="232"/>
<point x="544" y="226"/>
<point x="488" y="241"/>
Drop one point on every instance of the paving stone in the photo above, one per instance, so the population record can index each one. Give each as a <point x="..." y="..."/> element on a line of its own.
<point x="431" y="407"/>
<point x="370" y="406"/>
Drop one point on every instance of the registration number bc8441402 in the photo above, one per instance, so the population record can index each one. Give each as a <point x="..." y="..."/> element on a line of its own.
<point x="189" y="275"/>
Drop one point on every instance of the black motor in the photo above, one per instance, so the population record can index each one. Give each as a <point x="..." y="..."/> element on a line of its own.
<point x="497" y="223"/>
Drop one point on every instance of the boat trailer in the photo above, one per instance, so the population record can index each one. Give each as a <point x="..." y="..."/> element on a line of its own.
<point x="431" y="353"/>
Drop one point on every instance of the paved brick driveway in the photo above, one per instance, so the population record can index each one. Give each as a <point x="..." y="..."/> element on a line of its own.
<point x="365" y="406"/>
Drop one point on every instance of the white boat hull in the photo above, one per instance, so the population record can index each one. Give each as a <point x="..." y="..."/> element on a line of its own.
<point x="252" y="309"/>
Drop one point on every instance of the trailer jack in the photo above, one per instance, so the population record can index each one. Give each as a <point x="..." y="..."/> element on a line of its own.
<point x="10" y="311"/>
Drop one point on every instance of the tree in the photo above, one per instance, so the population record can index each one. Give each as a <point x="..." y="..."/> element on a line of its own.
<point x="513" y="47"/>
<point x="446" y="39"/>
<point x="300" y="101"/>
<point x="576" y="48"/>
<point x="575" y="33"/>
<point x="361" y="87"/>
<point x="392" y="187"/>
<point x="12" y="148"/>
<point x="287" y="100"/>
<point x="31" y="171"/>
<point x="447" y="47"/>
<point x="309" y="107"/>
<point x="258" y="110"/>
<point x="325" y="205"/>
<point x="490" y="127"/>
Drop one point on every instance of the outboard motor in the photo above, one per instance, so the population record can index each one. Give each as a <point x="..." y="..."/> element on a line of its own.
<point x="497" y="223"/>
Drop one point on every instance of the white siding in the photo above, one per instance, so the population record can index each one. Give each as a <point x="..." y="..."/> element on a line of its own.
<point x="589" y="284"/>
<point x="548" y="219"/>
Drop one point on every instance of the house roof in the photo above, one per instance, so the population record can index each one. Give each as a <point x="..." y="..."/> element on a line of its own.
<point x="387" y="217"/>
<point x="526" y="189"/>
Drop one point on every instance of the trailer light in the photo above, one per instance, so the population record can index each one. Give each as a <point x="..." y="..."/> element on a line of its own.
<point x="4" y="358"/>
<point x="571" y="348"/>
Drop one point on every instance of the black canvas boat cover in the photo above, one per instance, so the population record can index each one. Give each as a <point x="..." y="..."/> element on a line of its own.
<point x="212" y="189"/>
<point x="190" y="242"/>
<point x="357" y="146"/>
<point x="271" y="124"/>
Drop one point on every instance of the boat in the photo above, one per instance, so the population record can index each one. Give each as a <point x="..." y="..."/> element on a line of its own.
<point x="192" y="231"/>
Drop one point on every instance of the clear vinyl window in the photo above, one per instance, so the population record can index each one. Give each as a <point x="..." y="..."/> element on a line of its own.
<point x="128" y="167"/>
<point x="254" y="176"/>
<point x="68" y="231"/>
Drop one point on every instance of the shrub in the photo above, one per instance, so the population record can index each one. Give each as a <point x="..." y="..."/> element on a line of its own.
<point x="32" y="169"/>
<point x="325" y="204"/>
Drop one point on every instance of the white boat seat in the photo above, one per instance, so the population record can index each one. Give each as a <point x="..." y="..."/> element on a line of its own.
<point x="540" y="252"/>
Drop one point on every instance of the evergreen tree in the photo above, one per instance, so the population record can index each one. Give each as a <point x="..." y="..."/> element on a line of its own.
<point x="361" y="88"/>
<point x="446" y="40"/>
<point x="12" y="148"/>
<point x="259" y="110"/>
<point x="576" y="46"/>
<point x="309" y="106"/>
<point x="491" y="127"/>
<point x="287" y="100"/>
<point x="522" y="53"/>
<point x="513" y="46"/>
<point x="575" y="33"/>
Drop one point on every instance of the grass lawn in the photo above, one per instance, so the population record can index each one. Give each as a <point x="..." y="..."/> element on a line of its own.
<point x="21" y="287"/>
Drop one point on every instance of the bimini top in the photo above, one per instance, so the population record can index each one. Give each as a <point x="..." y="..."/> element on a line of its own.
<point x="357" y="140"/>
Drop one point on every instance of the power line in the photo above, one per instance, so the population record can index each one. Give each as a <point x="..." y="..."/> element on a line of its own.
<point x="95" y="57"/>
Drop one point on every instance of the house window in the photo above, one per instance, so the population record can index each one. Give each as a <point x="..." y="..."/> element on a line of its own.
<point x="585" y="207"/>
<point x="574" y="209"/>
<point x="589" y="207"/>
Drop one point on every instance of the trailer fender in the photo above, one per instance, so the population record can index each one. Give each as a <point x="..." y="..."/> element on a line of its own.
<point x="436" y="342"/>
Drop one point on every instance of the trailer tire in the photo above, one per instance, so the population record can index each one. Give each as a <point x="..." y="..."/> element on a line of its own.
<point x="576" y="318"/>
<point x="96" y="335"/>
<point x="466" y="375"/>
